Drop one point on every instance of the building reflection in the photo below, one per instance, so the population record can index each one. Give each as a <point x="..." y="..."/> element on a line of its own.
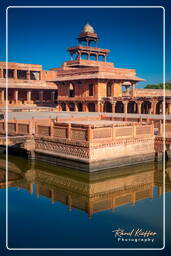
<point x="93" y="192"/>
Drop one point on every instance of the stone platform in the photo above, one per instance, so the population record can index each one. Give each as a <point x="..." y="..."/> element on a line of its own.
<point x="87" y="142"/>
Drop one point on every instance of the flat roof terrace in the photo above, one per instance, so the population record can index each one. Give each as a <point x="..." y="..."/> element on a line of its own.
<point x="25" y="113"/>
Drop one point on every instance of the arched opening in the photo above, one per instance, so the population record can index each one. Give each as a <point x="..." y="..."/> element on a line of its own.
<point x="119" y="108"/>
<point x="10" y="95"/>
<point x="84" y="56"/>
<point x="63" y="106"/>
<point x="93" y="57"/>
<point x="132" y="107"/>
<point x="108" y="90"/>
<point x="91" y="107"/>
<point x="101" y="58"/>
<point x="84" y="43"/>
<point x="71" y="90"/>
<point x="126" y="88"/>
<point x="80" y="107"/>
<point x="107" y="107"/>
<point x="71" y="107"/>
<point x="145" y="107"/>
<point x="159" y="108"/>
<point x="74" y="56"/>
<point x="91" y="90"/>
<point x="22" y="95"/>
<point x="35" y="95"/>
<point x="92" y="43"/>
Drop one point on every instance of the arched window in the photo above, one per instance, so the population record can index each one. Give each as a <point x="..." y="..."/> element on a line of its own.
<point x="71" y="90"/>
<point x="91" y="90"/>
<point x="108" y="90"/>
<point x="101" y="58"/>
<point x="92" y="57"/>
<point x="84" y="56"/>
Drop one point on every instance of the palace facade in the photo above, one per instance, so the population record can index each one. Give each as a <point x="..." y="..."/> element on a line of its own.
<point x="87" y="82"/>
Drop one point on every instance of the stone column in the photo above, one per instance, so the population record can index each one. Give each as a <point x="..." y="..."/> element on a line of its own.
<point x="58" y="107"/>
<point x="97" y="106"/>
<point x="1" y="73"/>
<point x="101" y="106"/>
<point x="40" y="75"/>
<point x="113" y="107"/>
<point x="15" y="74"/>
<point x="53" y="96"/>
<point x="28" y="96"/>
<point x="133" y="90"/>
<point x="153" y="106"/>
<point x="150" y="110"/>
<point x="75" y="107"/>
<point x="16" y="96"/>
<point x="85" y="107"/>
<point x="67" y="106"/>
<point x="139" y="107"/>
<point x="28" y="75"/>
<point x="41" y="96"/>
<point x="2" y="99"/>
<point x="125" y="107"/>
<point x="169" y="108"/>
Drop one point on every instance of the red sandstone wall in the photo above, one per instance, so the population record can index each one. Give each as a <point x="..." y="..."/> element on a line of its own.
<point x="151" y="92"/>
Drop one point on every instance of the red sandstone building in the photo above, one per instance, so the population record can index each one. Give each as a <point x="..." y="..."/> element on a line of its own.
<point x="86" y="83"/>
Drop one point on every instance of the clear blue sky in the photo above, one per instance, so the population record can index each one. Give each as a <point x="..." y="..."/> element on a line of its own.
<point x="134" y="36"/>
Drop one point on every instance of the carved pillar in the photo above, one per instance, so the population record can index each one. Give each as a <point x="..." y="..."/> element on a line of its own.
<point x="75" y="107"/>
<point x="53" y="96"/>
<point x="150" y="110"/>
<point x="125" y="107"/>
<point x="67" y="107"/>
<point x="154" y="103"/>
<point x="113" y="107"/>
<point x="41" y="96"/>
<point x="40" y="75"/>
<point x="85" y="107"/>
<point x="28" y="96"/>
<point x="2" y="99"/>
<point x="98" y="107"/>
<point x="139" y="107"/>
<point x="28" y="75"/>
<point x="1" y="73"/>
<point x="16" y="96"/>
<point x="169" y="108"/>
<point x="133" y="90"/>
<point x="15" y="73"/>
<point x="101" y="107"/>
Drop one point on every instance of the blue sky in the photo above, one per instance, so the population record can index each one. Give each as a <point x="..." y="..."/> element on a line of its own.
<point x="134" y="36"/>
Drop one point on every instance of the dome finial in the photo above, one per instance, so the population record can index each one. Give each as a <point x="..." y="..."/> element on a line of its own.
<point x="88" y="28"/>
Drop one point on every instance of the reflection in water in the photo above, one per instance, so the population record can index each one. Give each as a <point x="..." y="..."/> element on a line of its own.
<point x="92" y="193"/>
